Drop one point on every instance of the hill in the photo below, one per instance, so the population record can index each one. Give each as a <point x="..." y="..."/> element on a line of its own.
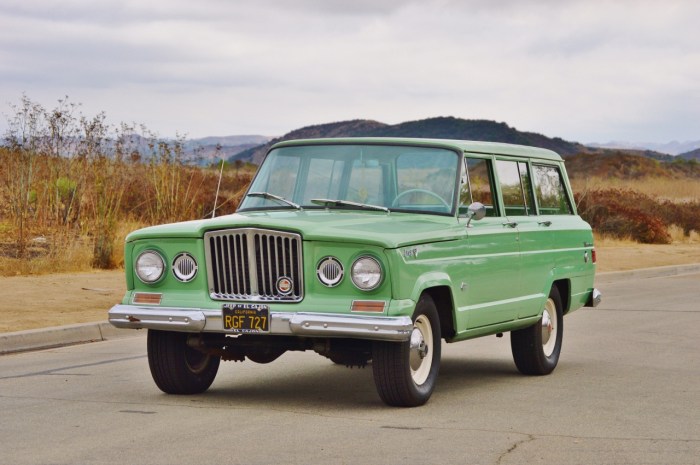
<point x="692" y="155"/>
<point x="433" y="128"/>
<point x="670" y="148"/>
<point x="629" y="165"/>
<point x="352" y="128"/>
<point x="206" y="150"/>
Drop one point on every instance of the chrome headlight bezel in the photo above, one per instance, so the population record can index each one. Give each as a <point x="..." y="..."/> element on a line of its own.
<point x="149" y="259"/>
<point x="366" y="273"/>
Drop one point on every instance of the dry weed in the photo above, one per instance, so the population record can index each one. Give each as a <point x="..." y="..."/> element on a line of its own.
<point x="675" y="190"/>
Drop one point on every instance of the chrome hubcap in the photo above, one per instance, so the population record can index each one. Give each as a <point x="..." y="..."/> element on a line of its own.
<point x="418" y="343"/>
<point x="420" y="358"/>
<point x="549" y="327"/>
<point x="546" y="327"/>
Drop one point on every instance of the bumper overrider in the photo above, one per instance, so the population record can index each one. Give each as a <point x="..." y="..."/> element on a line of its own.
<point x="594" y="298"/>
<point x="281" y="323"/>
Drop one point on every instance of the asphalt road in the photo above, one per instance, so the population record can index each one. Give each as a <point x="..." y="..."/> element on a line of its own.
<point x="626" y="391"/>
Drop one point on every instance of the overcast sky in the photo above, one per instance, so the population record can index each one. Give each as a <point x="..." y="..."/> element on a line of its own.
<point x="587" y="71"/>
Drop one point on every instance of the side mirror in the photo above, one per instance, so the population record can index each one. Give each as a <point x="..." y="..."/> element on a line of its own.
<point x="475" y="211"/>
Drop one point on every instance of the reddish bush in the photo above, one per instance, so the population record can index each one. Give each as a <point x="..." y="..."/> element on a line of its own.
<point x="624" y="213"/>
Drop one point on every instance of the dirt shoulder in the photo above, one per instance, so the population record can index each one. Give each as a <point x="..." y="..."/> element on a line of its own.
<point x="31" y="302"/>
<point x="622" y="258"/>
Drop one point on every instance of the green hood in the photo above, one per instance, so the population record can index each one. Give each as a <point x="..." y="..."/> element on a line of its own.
<point x="374" y="228"/>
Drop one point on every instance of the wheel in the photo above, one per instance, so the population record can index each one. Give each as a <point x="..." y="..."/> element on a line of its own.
<point x="536" y="348"/>
<point x="178" y="368"/>
<point x="405" y="373"/>
<point x="421" y="191"/>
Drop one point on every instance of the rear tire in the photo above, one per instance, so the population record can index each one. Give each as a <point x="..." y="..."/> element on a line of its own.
<point x="405" y="373"/>
<point x="176" y="367"/>
<point x="536" y="348"/>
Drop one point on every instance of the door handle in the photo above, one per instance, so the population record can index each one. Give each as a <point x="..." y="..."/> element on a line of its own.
<point x="512" y="224"/>
<point x="545" y="223"/>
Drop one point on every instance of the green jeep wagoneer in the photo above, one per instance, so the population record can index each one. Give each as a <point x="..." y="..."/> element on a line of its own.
<point x="367" y="251"/>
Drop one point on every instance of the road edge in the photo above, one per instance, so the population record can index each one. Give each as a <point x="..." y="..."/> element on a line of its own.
<point x="59" y="336"/>
<point x="645" y="273"/>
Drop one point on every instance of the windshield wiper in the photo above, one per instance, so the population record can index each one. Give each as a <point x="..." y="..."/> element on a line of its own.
<point x="347" y="203"/>
<point x="268" y="196"/>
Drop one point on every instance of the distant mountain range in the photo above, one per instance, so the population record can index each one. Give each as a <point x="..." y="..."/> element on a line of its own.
<point x="692" y="155"/>
<point x="207" y="150"/>
<point x="463" y="129"/>
<point x="671" y="148"/>
<point x="433" y="128"/>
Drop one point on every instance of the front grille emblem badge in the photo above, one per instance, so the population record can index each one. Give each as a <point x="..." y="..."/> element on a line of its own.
<point x="285" y="286"/>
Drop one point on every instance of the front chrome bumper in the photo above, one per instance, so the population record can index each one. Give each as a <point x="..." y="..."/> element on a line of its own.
<point x="285" y="324"/>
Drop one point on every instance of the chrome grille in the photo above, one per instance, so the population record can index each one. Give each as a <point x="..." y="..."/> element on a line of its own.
<point x="247" y="264"/>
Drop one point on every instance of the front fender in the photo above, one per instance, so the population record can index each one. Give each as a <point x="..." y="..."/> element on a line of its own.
<point x="428" y="280"/>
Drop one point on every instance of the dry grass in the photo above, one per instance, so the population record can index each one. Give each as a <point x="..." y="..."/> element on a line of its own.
<point x="677" y="190"/>
<point x="678" y="237"/>
<point x="48" y="255"/>
<point x="676" y="233"/>
<point x="61" y="255"/>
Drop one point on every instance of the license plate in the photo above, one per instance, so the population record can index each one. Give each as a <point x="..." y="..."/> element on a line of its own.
<point x="246" y="318"/>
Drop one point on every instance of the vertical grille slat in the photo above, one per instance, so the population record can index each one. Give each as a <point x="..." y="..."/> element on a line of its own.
<point x="269" y="276"/>
<point x="246" y="264"/>
<point x="284" y="256"/>
<point x="236" y="243"/>
<point x="226" y="275"/>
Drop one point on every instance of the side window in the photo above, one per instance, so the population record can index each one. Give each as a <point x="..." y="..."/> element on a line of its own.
<point x="550" y="192"/>
<point x="515" y="187"/>
<point x="477" y="186"/>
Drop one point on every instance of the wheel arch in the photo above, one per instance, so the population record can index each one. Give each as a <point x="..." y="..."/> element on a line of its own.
<point x="564" y="288"/>
<point x="442" y="297"/>
<point x="439" y="286"/>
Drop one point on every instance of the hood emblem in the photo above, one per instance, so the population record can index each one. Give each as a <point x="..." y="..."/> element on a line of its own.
<point x="410" y="253"/>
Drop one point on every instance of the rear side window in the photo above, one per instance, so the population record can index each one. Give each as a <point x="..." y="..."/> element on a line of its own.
<point x="515" y="188"/>
<point x="550" y="192"/>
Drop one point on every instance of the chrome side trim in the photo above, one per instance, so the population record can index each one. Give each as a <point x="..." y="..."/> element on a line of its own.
<point x="594" y="298"/>
<point x="291" y="324"/>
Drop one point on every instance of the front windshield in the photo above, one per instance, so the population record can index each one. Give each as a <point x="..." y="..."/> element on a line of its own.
<point x="400" y="178"/>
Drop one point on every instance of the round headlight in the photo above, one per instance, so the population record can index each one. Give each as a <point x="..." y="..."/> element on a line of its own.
<point x="330" y="271"/>
<point x="149" y="266"/>
<point x="184" y="267"/>
<point x="366" y="273"/>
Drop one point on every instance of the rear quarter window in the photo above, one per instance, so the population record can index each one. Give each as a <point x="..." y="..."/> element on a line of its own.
<point x="550" y="191"/>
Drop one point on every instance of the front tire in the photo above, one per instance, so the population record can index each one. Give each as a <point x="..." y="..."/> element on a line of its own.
<point x="176" y="367"/>
<point x="405" y="373"/>
<point x="536" y="349"/>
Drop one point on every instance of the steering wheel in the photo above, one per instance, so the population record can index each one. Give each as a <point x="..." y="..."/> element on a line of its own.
<point x="421" y="191"/>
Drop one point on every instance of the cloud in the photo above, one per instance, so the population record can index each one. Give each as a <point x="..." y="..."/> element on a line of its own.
<point x="584" y="70"/>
